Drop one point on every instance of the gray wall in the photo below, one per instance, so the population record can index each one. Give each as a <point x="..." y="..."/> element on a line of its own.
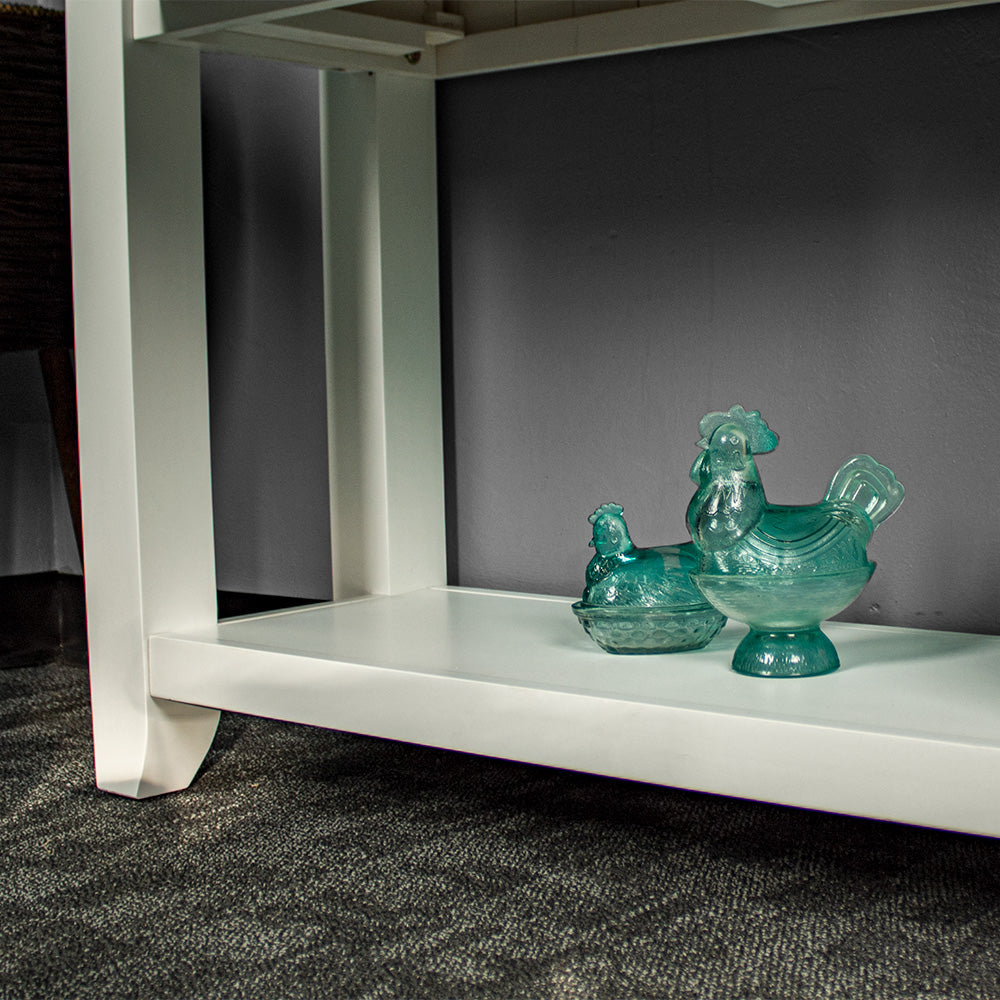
<point x="264" y="288"/>
<point x="806" y="224"/>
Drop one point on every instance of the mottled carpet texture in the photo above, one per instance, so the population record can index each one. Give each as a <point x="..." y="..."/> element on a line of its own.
<point x="306" y="863"/>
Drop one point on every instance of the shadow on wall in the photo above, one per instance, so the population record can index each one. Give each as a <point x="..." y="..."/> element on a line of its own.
<point x="264" y="288"/>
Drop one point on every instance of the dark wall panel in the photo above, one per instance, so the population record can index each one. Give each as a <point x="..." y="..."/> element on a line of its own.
<point x="807" y="224"/>
<point x="264" y="287"/>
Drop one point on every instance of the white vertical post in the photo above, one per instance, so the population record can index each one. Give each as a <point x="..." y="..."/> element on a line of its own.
<point x="135" y="178"/>
<point x="383" y="333"/>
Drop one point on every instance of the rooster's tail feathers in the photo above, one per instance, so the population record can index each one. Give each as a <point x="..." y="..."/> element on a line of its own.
<point x="871" y="486"/>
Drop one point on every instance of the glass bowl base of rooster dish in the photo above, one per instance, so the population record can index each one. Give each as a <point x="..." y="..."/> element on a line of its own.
<point x="780" y="569"/>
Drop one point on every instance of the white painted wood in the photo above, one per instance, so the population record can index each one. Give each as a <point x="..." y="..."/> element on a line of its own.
<point x="537" y="11"/>
<point x="239" y="41"/>
<point x="383" y="339"/>
<point x="656" y="26"/>
<point x="581" y="8"/>
<point x="786" y="3"/>
<point x="319" y="34"/>
<point x="499" y="34"/>
<point x="405" y="10"/>
<point x="359" y="32"/>
<point x="142" y="384"/>
<point x="908" y="729"/>
<point x="247" y="43"/>
<point x="179" y="19"/>
<point x="487" y="15"/>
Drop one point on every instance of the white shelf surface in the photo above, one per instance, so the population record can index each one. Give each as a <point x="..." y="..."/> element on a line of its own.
<point x="908" y="729"/>
<point x="499" y="35"/>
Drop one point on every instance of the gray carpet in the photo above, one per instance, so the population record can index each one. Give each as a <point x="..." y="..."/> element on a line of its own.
<point x="314" y="864"/>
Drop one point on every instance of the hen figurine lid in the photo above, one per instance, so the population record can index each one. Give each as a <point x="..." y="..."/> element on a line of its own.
<point x="642" y="600"/>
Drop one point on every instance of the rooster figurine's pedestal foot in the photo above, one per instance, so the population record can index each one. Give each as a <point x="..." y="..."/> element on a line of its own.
<point x="803" y="653"/>
<point x="784" y="614"/>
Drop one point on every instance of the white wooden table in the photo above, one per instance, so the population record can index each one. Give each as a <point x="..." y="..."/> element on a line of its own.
<point x="908" y="729"/>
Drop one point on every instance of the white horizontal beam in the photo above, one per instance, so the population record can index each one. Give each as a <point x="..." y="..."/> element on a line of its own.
<point x="178" y="19"/>
<point x="360" y="32"/>
<point x="317" y="34"/>
<point x="658" y="26"/>
<point x="246" y="42"/>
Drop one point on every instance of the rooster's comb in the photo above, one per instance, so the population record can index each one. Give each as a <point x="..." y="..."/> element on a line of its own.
<point x="605" y="508"/>
<point x="760" y="437"/>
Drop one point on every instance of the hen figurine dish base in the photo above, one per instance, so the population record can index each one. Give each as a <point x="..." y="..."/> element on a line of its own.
<point x="780" y="569"/>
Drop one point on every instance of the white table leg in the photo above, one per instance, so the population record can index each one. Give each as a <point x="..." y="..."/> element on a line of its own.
<point x="383" y="333"/>
<point x="142" y="384"/>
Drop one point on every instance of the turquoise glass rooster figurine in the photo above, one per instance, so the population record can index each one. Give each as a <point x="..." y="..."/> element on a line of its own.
<point x="781" y="569"/>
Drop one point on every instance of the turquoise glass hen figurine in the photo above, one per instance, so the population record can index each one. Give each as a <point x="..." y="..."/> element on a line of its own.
<point x="642" y="600"/>
<point x="781" y="569"/>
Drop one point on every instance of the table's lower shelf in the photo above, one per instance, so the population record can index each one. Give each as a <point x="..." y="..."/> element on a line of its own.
<point x="908" y="729"/>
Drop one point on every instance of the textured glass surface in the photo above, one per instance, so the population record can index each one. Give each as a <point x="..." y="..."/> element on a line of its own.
<point x="650" y="630"/>
<point x="781" y="569"/>
<point x="642" y="600"/>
